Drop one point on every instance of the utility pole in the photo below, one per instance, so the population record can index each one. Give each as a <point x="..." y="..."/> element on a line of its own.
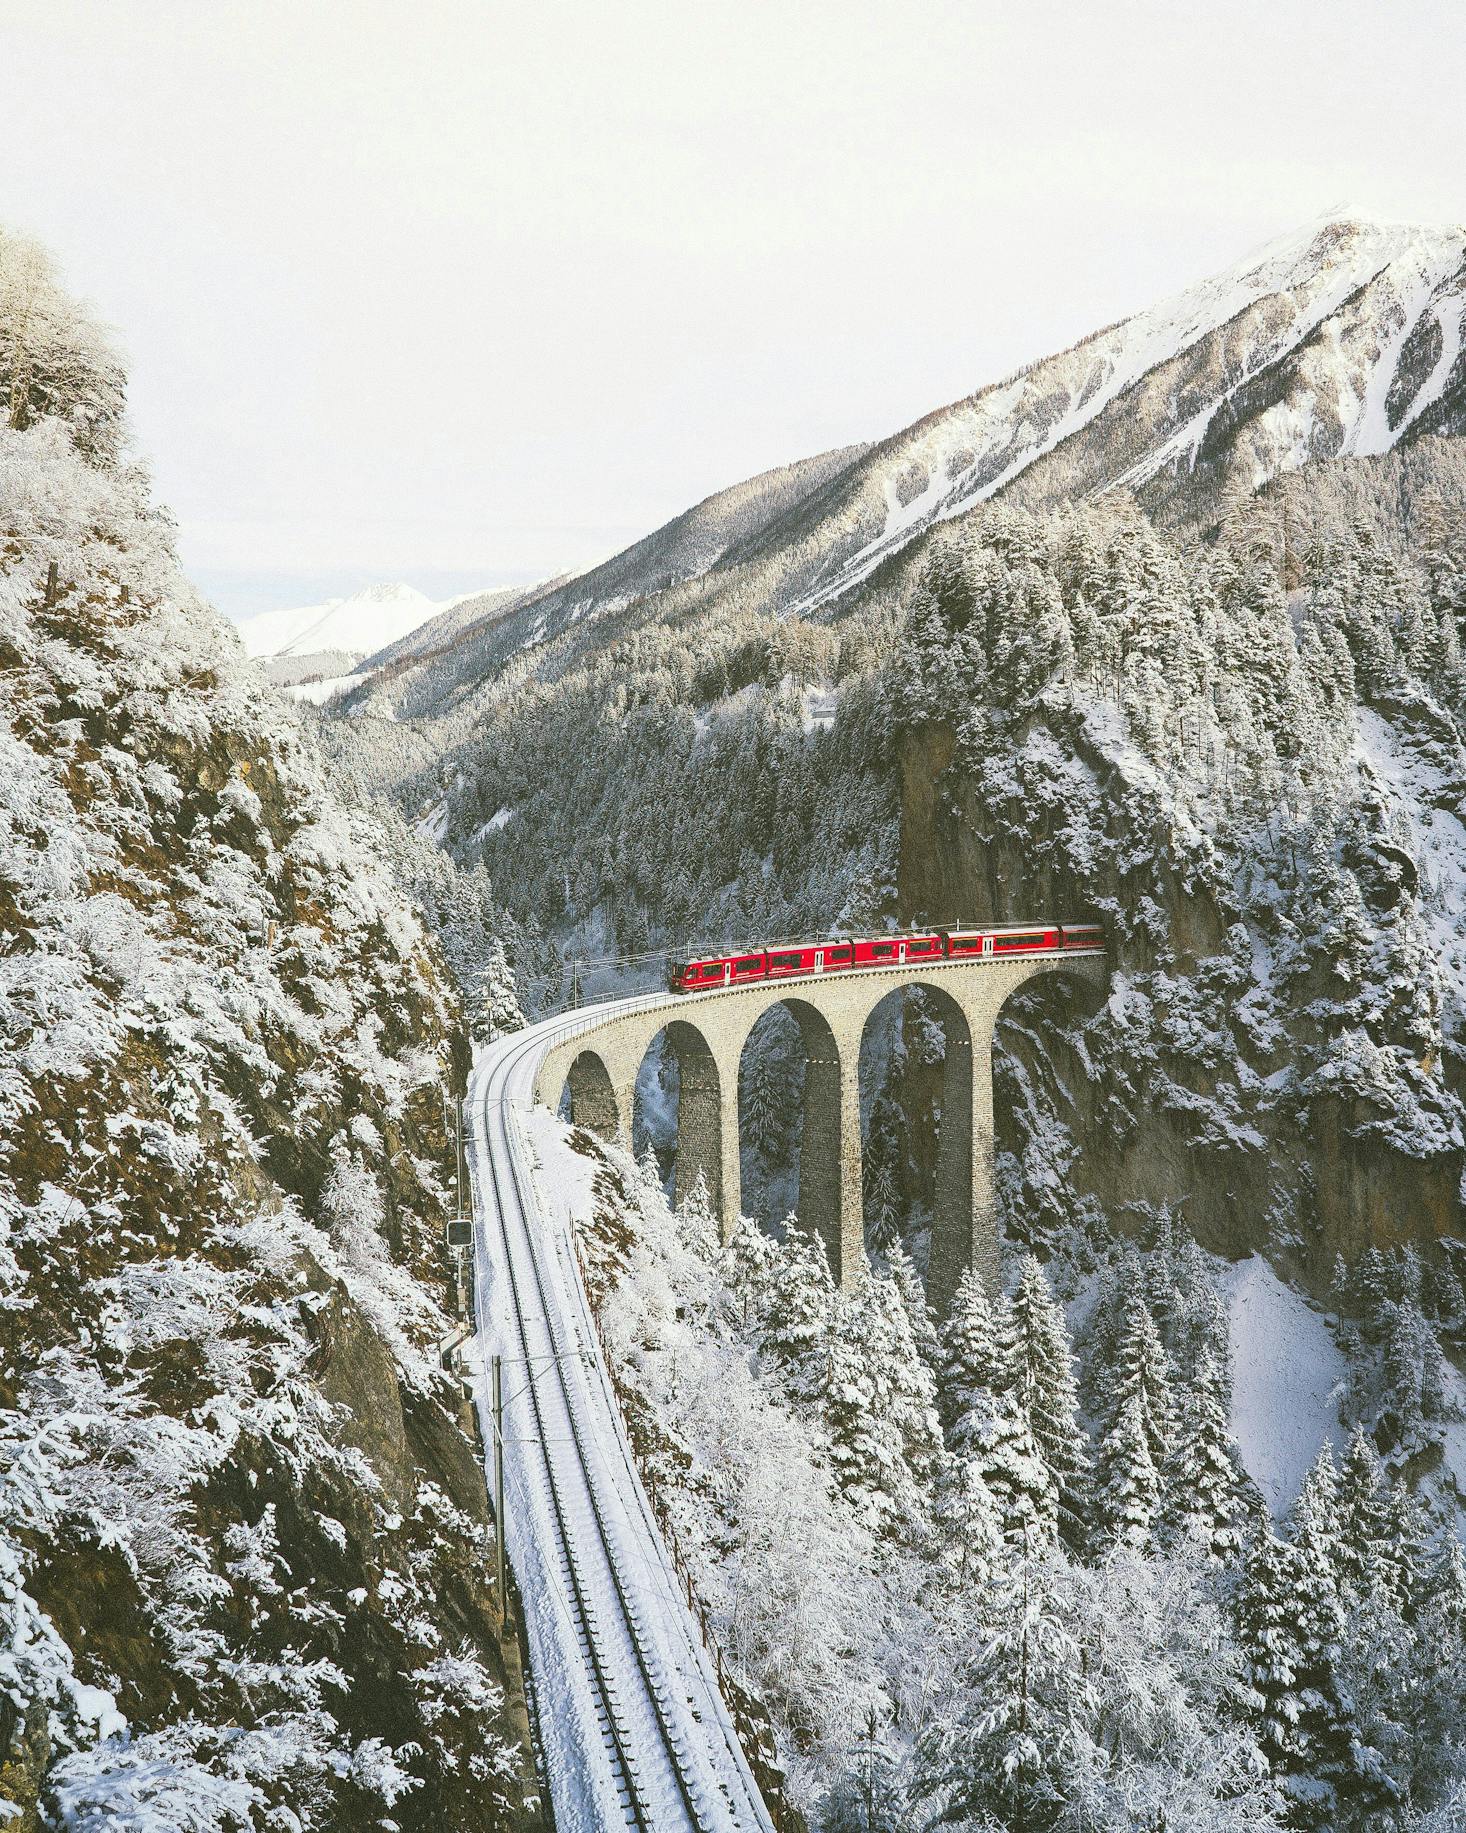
<point x="496" y="1390"/>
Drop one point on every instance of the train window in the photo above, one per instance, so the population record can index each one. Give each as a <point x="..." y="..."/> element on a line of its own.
<point x="838" y="954"/>
<point x="712" y="970"/>
<point x="1017" y="941"/>
<point x="785" y="960"/>
<point x="748" y="964"/>
<point x="920" y="948"/>
<point x="882" y="951"/>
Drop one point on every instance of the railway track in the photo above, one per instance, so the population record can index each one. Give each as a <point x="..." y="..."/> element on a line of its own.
<point x="634" y="1731"/>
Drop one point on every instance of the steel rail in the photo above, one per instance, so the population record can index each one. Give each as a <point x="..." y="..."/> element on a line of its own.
<point x="629" y="1785"/>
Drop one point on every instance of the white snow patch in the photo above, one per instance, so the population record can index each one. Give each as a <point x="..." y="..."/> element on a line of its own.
<point x="434" y="824"/>
<point x="360" y="625"/>
<point x="1437" y="838"/>
<point x="319" y="692"/>
<point x="1287" y="1378"/>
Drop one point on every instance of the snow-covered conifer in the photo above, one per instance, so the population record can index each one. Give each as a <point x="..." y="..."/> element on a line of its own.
<point x="1129" y="1483"/>
<point x="918" y="1312"/>
<point x="1208" y="1497"/>
<point x="748" y="1263"/>
<point x="1041" y="1384"/>
<point x="972" y="1366"/>
<point x="1360" y="1555"/>
<point x="877" y="1399"/>
<point x="696" y="1222"/>
<point x="801" y="1299"/>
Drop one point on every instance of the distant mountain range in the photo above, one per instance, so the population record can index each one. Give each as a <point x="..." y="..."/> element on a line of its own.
<point x="1342" y="340"/>
<point x="310" y="641"/>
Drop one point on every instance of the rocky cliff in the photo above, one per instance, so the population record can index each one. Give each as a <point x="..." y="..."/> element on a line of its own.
<point x="244" y="1543"/>
<point x="1258" y="791"/>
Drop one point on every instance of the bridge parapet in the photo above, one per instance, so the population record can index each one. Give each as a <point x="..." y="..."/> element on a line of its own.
<point x="708" y="1031"/>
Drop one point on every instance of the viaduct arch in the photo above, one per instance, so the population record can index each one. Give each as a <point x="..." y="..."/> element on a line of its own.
<point x="707" y="1032"/>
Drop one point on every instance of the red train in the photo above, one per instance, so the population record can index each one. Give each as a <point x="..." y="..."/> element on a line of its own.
<point x="846" y="952"/>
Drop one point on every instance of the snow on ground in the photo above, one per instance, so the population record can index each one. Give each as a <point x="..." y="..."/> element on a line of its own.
<point x="319" y="692"/>
<point x="1287" y="1378"/>
<point x="1453" y="1435"/>
<point x="528" y="1184"/>
<point x="361" y="624"/>
<point x="434" y="824"/>
<point x="1437" y="837"/>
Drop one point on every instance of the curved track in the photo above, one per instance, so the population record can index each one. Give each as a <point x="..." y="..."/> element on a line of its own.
<point x="631" y="1722"/>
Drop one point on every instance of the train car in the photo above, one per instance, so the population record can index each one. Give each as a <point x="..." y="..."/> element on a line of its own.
<point x="800" y="959"/>
<point x="710" y="971"/>
<point x="957" y="943"/>
<point x="1024" y="941"/>
<point x="892" y="951"/>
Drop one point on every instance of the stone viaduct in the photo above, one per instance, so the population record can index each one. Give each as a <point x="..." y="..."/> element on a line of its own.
<point x="707" y="1032"/>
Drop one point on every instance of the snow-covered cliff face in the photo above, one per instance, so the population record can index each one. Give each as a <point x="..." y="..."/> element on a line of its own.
<point x="242" y="1530"/>
<point x="1259" y="791"/>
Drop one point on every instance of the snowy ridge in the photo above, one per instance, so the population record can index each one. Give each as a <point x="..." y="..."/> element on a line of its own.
<point x="633" y="1727"/>
<point x="1288" y="303"/>
<point x="359" y="625"/>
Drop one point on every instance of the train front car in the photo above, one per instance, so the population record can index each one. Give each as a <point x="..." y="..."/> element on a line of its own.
<point x="1083" y="935"/>
<point x="704" y="974"/>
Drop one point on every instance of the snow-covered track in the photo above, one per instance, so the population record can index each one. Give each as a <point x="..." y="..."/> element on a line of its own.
<point x="634" y="1730"/>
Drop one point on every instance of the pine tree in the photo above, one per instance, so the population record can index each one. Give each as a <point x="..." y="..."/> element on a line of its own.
<point x="801" y="1301"/>
<point x="877" y="1400"/>
<point x="1407" y="1560"/>
<point x="1207" y="1495"/>
<point x="967" y="1524"/>
<point x="1130" y="1485"/>
<point x="1004" y="1765"/>
<point x="1140" y="1425"/>
<point x="1015" y="1470"/>
<point x="696" y="1222"/>
<point x="882" y="1207"/>
<point x="918" y="1311"/>
<point x="972" y="1367"/>
<point x="1314" y="1524"/>
<point x="1445" y="1595"/>
<point x="1042" y="1385"/>
<point x="748" y="1263"/>
<point x="1290" y="1628"/>
<point x="912" y="1380"/>
<point x="1361" y="1558"/>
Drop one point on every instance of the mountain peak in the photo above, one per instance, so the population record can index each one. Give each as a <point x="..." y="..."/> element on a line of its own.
<point x="358" y="625"/>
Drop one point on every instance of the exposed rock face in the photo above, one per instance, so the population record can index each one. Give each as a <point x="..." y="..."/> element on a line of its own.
<point x="244" y="1541"/>
<point x="1280" y="1056"/>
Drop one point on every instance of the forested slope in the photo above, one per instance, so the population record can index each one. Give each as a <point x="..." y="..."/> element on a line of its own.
<point x="243" y="1534"/>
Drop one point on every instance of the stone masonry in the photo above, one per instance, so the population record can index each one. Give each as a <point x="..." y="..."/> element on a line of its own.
<point x="708" y="1031"/>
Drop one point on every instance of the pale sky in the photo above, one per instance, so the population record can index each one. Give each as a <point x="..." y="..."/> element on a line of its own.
<point x="462" y="292"/>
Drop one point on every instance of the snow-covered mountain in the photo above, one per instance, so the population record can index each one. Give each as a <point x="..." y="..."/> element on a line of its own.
<point x="355" y="626"/>
<point x="1343" y="339"/>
